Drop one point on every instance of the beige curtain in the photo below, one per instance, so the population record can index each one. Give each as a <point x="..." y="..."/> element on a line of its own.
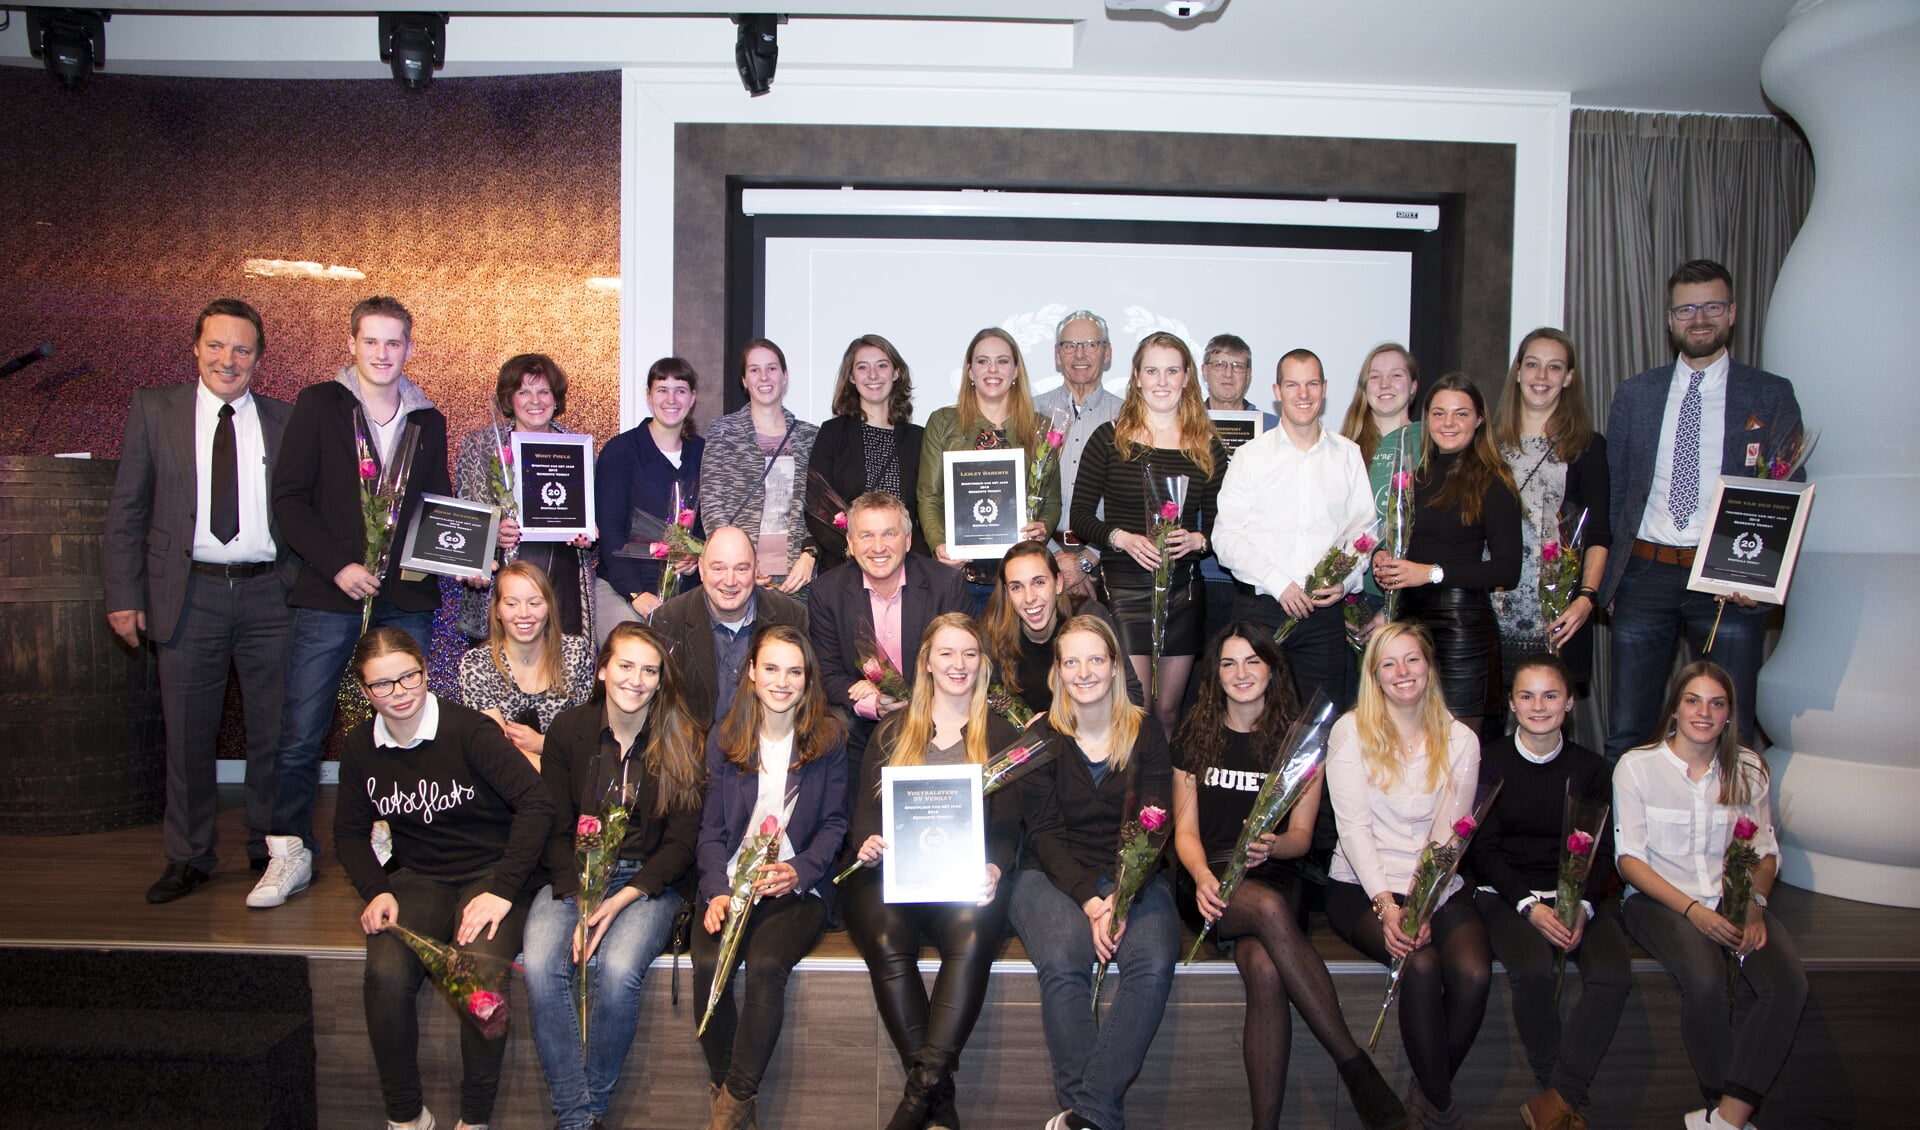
<point x="1647" y="192"/>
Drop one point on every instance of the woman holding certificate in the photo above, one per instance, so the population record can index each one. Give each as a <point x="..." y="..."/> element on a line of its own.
<point x="777" y="783"/>
<point x="1157" y="469"/>
<point x="1226" y="747"/>
<point x="994" y="410"/>
<point x="945" y="723"/>
<point x="528" y="671"/>
<point x="1113" y="775"/>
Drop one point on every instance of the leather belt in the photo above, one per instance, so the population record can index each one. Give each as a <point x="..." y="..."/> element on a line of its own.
<point x="239" y="570"/>
<point x="1681" y="555"/>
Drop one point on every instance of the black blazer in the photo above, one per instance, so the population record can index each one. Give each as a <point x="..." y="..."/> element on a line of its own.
<point x="840" y="455"/>
<point x="316" y="499"/>
<point x="687" y="626"/>
<point x="573" y="775"/>
<point x="841" y="615"/>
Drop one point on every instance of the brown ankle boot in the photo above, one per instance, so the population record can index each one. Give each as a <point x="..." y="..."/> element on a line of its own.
<point x="729" y="1113"/>
<point x="1549" y="1110"/>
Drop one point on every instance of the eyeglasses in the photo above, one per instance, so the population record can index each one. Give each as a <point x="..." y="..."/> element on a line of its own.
<point x="381" y="688"/>
<point x="1693" y="310"/>
<point x="1230" y="366"/>
<point x="1082" y="346"/>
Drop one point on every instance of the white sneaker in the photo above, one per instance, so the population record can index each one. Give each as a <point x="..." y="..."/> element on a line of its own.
<point x="1697" y="1120"/>
<point x="382" y="841"/>
<point x="1710" y="1120"/>
<point x="422" y="1121"/>
<point x="1058" y="1121"/>
<point x="289" y="870"/>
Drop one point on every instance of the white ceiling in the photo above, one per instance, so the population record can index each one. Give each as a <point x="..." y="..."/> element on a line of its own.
<point x="1689" y="55"/>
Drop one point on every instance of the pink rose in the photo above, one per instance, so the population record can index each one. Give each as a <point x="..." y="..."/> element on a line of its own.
<point x="658" y="549"/>
<point x="485" y="1003"/>
<point x="588" y="826"/>
<point x="685" y="519"/>
<point x="506" y="457"/>
<point x="872" y="670"/>
<point x="1550" y="552"/>
<point x="1402" y="480"/>
<point x="1056" y="437"/>
<point x="368" y="470"/>
<point x="840" y="520"/>
<point x="770" y="826"/>
<point x="1580" y="843"/>
<point x="1744" y="828"/>
<point x="1169" y="512"/>
<point x="1152" y="816"/>
<point x="1779" y="469"/>
<point x="1353" y="598"/>
<point x="1364" y="544"/>
<point x="1019" y="755"/>
<point x="1463" y="827"/>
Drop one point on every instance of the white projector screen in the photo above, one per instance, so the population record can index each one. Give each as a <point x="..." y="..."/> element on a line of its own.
<point x="928" y="296"/>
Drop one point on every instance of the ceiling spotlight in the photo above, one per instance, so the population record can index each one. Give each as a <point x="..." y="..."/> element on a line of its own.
<point x="72" y="41"/>
<point x="756" y="51"/>
<point x="415" y="43"/>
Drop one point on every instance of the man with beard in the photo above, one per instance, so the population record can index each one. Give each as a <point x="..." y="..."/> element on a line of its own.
<point x="1674" y="429"/>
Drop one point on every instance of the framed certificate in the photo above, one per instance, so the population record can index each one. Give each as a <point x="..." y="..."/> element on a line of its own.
<point x="1754" y="528"/>
<point x="933" y="818"/>
<point x="451" y="536"/>
<point x="986" y="502"/>
<point x="1236" y="428"/>
<point x="553" y="485"/>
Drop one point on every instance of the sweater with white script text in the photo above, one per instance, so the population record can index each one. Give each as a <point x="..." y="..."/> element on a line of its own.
<point x="461" y="804"/>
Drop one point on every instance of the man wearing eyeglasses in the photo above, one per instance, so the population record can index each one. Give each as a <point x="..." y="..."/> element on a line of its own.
<point x="1227" y="367"/>
<point x="1082" y="352"/>
<point x="1672" y="431"/>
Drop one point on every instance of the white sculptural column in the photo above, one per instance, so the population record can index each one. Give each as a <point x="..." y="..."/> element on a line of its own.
<point x="1841" y="695"/>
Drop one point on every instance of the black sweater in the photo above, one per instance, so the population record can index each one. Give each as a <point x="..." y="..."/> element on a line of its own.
<point x="316" y="499"/>
<point x="460" y="804"/>
<point x="1517" y="851"/>
<point x="1036" y="661"/>
<point x="580" y="761"/>
<point x="1003" y="807"/>
<point x="1073" y="824"/>
<point x="1122" y="485"/>
<point x="1441" y="538"/>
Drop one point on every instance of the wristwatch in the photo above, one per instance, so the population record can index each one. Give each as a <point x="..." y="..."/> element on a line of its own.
<point x="1759" y="900"/>
<point x="1436" y="575"/>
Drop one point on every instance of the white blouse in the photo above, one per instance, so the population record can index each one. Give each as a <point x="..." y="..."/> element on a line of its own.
<point x="1678" y="826"/>
<point x="1381" y="833"/>
<point x="775" y="757"/>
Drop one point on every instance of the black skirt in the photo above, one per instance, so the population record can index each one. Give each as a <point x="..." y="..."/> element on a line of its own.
<point x="1130" y="598"/>
<point x="1466" y="645"/>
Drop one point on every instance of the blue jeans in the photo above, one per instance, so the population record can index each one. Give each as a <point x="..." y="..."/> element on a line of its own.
<point x="1651" y="607"/>
<point x="1093" y="1065"/>
<point x="323" y="642"/>
<point x="638" y="935"/>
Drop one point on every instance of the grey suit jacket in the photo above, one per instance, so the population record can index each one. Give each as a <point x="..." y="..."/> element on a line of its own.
<point x="148" y="549"/>
<point x="1761" y="409"/>
<point x="687" y="626"/>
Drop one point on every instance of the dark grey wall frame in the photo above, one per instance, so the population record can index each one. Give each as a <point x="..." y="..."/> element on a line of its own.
<point x="1472" y="181"/>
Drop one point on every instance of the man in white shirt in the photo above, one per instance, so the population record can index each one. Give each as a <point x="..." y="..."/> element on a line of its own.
<point x="1082" y="353"/>
<point x="1288" y="497"/>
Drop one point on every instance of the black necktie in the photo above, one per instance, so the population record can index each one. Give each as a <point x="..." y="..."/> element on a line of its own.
<point x="225" y="519"/>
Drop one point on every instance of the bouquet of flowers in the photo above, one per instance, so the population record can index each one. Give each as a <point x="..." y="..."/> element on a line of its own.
<point x="1296" y="768"/>
<point x="1046" y="456"/>
<point x="880" y="671"/>
<point x="1010" y="706"/>
<point x="757" y="850"/>
<point x="382" y="491"/>
<point x="500" y="477"/>
<point x="1580" y="826"/>
<point x="1736" y="891"/>
<point x="1141" y="839"/>
<point x="1789" y="457"/>
<point x="1357" y="615"/>
<point x="1164" y="504"/>
<point x="1399" y="516"/>
<point x="1559" y="574"/>
<point x="826" y="507"/>
<point x="1332" y="570"/>
<point x="668" y="541"/>
<point x="1016" y="761"/>
<point x="478" y="995"/>
<point x="1432" y="875"/>
<point x="596" y="848"/>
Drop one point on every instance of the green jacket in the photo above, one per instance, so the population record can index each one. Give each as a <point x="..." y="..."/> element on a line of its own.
<point x="944" y="434"/>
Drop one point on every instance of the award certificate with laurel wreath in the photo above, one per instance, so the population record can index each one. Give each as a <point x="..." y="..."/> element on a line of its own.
<point x="986" y="502"/>
<point x="1753" y="538"/>
<point x="933" y="818"/>
<point x="553" y="485"/>
<point x="453" y="537"/>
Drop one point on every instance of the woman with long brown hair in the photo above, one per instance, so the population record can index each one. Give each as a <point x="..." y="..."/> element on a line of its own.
<point x="1131" y="466"/>
<point x="778" y="754"/>
<point x="871" y="443"/>
<point x="528" y="671"/>
<point x="1029" y="604"/>
<point x="946" y="722"/>
<point x="1465" y="544"/>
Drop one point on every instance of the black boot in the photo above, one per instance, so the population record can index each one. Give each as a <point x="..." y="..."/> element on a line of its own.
<point x="916" y="1103"/>
<point x="1373" y="1099"/>
<point x="945" y="1114"/>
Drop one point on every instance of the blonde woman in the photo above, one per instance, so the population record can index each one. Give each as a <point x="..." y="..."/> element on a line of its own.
<point x="1113" y="762"/>
<point x="1162" y="433"/>
<point x="1398" y="767"/>
<point x="946" y="722"/>
<point x="1380" y="419"/>
<point x="528" y="671"/>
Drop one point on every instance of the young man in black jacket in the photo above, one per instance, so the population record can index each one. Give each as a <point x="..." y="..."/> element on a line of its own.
<point x="343" y="433"/>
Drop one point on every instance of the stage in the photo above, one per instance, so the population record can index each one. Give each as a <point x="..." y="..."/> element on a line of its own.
<point x="73" y="914"/>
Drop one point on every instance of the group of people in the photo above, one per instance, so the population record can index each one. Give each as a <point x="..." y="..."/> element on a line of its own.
<point x="1158" y="562"/>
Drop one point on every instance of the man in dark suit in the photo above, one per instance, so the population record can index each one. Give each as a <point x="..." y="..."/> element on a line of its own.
<point x="367" y="419"/>
<point x="882" y="599"/>
<point x="1672" y="431"/>
<point x="193" y="559"/>
<point x="709" y="629"/>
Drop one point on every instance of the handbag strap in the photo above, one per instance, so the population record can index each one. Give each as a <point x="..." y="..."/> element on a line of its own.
<point x="734" y="520"/>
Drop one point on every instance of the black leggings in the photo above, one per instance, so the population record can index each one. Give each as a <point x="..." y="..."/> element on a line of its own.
<point x="739" y="1043"/>
<point x="1280" y="967"/>
<point x="927" y="1031"/>
<point x="1443" y="985"/>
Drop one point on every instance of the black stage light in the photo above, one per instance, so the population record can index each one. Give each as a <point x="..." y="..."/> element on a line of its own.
<point x="72" y="41"/>
<point x="415" y="43"/>
<point x="756" y="51"/>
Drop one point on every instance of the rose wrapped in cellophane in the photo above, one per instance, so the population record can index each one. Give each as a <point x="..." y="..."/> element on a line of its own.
<point x="1736" y="892"/>
<point x="1560" y="559"/>
<point x="1332" y="569"/>
<point x="1580" y="825"/>
<point x="757" y="849"/>
<point x="474" y="982"/>
<point x="1046" y="456"/>
<point x="382" y="492"/>
<point x="596" y="848"/>
<point x="1136" y="861"/>
<point x="1166" y="498"/>
<point x="1398" y="533"/>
